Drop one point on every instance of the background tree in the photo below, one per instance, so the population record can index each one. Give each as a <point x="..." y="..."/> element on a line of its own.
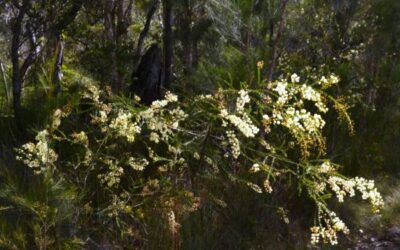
<point x="31" y="25"/>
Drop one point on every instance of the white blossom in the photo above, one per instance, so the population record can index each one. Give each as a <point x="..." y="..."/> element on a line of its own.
<point x="255" y="168"/>
<point x="234" y="143"/>
<point x="124" y="126"/>
<point x="294" y="78"/>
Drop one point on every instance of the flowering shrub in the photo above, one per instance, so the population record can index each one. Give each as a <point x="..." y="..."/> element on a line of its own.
<point x="134" y="153"/>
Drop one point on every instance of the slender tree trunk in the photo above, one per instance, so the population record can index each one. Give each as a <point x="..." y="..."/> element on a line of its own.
<point x="16" y="74"/>
<point x="109" y="32"/>
<point x="188" y="40"/>
<point x="168" y="43"/>
<point x="57" y="74"/>
<point x="116" y="22"/>
<point x="3" y="74"/>
<point x="121" y="25"/>
<point x="124" y="19"/>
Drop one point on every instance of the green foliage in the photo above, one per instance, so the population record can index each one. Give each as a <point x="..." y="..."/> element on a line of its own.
<point x="167" y="149"/>
<point x="243" y="159"/>
<point x="38" y="213"/>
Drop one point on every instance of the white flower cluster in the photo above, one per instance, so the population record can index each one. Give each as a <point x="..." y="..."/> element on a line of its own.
<point x="124" y="126"/>
<point x="283" y="94"/>
<point x="173" y="224"/>
<point x="255" y="168"/>
<point x="119" y="204"/>
<point x="37" y="156"/>
<point x="310" y="94"/>
<point x="88" y="157"/>
<point x="267" y="186"/>
<point x="92" y="92"/>
<point x="204" y="97"/>
<point x="113" y="176"/>
<point x="154" y="137"/>
<point x="255" y="187"/>
<point x="298" y="120"/>
<point x="169" y="98"/>
<point x="103" y="116"/>
<point x="242" y="100"/>
<point x="328" y="233"/>
<point x="294" y="78"/>
<point x="343" y="187"/>
<point x="327" y="82"/>
<point x="137" y="164"/>
<point x="369" y="192"/>
<point x="326" y="167"/>
<point x="234" y="143"/>
<point x="56" y="119"/>
<point x="288" y="92"/>
<point x="289" y="110"/>
<point x="320" y="187"/>
<point x="80" y="138"/>
<point x="162" y="122"/>
<point x="241" y="121"/>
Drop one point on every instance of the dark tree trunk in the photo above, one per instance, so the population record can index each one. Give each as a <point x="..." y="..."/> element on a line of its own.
<point x="123" y="18"/>
<point x="188" y="40"/>
<point x="147" y="78"/>
<point x="168" y="43"/>
<point x="16" y="73"/>
<point x="121" y="25"/>
<point x="123" y="14"/>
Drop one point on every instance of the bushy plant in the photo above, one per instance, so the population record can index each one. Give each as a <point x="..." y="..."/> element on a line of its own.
<point x="135" y="163"/>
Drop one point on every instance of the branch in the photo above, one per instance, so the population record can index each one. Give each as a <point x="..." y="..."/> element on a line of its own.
<point x="127" y="14"/>
<point x="35" y="49"/>
<point x="68" y="17"/>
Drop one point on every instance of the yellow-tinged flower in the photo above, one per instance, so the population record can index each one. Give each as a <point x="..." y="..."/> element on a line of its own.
<point x="260" y="64"/>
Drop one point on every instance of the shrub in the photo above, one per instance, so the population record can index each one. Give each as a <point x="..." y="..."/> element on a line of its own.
<point x="136" y="163"/>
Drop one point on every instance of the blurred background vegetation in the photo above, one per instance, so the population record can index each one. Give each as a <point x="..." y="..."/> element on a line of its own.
<point x="50" y="48"/>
